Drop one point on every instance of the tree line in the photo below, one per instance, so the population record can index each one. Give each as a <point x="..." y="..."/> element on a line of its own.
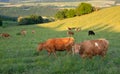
<point x="83" y="8"/>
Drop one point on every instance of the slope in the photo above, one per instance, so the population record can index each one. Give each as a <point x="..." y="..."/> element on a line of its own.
<point x="104" y="19"/>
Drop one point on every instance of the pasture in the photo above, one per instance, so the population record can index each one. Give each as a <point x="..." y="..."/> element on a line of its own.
<point x="18" y="53"/>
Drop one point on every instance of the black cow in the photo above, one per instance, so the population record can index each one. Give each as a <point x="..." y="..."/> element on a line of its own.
<point x="91" y="32"/>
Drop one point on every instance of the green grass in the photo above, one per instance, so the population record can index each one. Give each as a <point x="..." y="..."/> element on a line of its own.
<point x="17" y="54"/>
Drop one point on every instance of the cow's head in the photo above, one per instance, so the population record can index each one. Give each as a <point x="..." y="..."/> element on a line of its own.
<point x="40" y="47"/>
<point x="76" y="48"/>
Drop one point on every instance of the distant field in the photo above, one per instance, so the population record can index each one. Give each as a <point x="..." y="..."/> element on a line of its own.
<point x="48" y="11"/>
<point x="44" y="8"/>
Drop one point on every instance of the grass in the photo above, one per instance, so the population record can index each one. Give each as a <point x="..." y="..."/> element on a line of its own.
<point x="18" y="53"/>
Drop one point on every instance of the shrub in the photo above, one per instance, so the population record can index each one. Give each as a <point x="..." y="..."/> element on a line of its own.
<point x="32" y="19"/>
<point x="1" y="22"/>
<point x="61" y="14"/>
<point x="70" y="13"/>
<point x="84" y="8"/>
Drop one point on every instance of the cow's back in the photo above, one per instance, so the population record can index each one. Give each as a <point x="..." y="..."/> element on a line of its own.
<point x="59" y="43"/>
<point x="94" y="47"/>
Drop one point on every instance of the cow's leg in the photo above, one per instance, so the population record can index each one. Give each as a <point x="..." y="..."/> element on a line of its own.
<point x="103" y="54"/>
<point x="83" y="56"/>
<point x="49" y="53"/>
<point x="89" y="55"/>
<point x="55" y="54"/>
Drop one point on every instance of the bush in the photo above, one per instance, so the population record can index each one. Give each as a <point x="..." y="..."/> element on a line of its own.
<point x="1" y="22"/>
<point x="70" y="13"/>
<point x="84" y="8"/>
<point x="61" y="14"/>
<point x="32" y="19"/>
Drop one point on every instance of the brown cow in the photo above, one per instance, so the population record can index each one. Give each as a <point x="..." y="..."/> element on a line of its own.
<point x="33" y="31"/>
<point x="70" y="33"/>
<point x="71" y="28"/>
<point x="5" y="35"/>
<point x="92" y="48"/>
<point x="57" y="44"/>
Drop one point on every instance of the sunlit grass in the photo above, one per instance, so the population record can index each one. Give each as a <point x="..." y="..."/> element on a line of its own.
<point x="108" y="17"/>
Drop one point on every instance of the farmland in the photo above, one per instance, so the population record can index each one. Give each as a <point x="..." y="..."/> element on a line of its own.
<point x="44" y="8"/>
<point x="18" y="53"/>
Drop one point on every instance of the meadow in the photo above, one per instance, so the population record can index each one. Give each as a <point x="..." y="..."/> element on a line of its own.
<point x="17" y="54"/>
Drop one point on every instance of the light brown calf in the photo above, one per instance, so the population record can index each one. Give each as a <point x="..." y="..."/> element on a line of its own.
<point x="92" y="48"/>
<point x="5" y="35"/>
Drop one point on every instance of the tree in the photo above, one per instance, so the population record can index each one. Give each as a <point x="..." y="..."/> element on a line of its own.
<point x="84" y="8"/>
<point x="61" y="14"/>
<point x="32" y="19"/>
<point x="70" y="13"/>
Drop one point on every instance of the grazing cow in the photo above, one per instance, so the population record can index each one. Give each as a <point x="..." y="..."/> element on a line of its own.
<point x="5" y="35"/>
<point x="91" y="32"/>
<point x="92" y="48"/>
<point x="33" y="31"/>
<point x="70" y="33"/>
<point x="77" y="29"/>
<point x="71" y="28"/>
<point x="57" y="44"/>
<point x="23" y="32"/>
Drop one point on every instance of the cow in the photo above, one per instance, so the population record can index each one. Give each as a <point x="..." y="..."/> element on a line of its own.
<point x="23" y="32"/>
<point x="71" y="28"/>
<point x="57" y="44"/>
<point x="77" y="29"/>
<point x="33" y="31"/>
<point x="92" y="48"/>
<point x="70" y="33"/>
<point x="5" y="35"/>
<point x="91" y="32"/>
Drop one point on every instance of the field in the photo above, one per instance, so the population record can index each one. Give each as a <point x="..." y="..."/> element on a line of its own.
<point x="18" y="53"/>
<point x="43" y="8"/>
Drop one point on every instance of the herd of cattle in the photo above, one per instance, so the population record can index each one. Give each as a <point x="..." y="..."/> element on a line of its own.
<point x="86" y="49"/>
<point x="22" y="32"/>
<point x="69" y="32"/>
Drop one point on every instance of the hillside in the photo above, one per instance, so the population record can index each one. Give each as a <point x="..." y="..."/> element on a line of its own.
<point x="105" y="19"/>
